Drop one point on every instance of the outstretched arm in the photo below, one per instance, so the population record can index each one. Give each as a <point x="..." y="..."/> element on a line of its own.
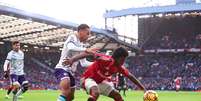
<point x="5" y="66"/>
<point x="136" y="81"/>
<point x="69" y="61"/>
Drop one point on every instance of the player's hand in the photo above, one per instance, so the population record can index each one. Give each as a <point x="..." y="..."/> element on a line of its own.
<point x="92" y="50"/>
<point x="6" y="74"/>
<point x="67" y="62"/>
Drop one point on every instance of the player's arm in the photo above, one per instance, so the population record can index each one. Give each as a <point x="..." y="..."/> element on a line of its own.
<point x="85" y="63"/>
<point x="72" y="46"/>
<point x="131" y="77"/>
<point x="136" y="81"/>
<point x="6" y="66"/>
<point x="84" y="55"/>
<point x="76" y="58"/>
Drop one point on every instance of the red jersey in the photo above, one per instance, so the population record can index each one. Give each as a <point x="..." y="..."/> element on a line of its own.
<point x="177" y="81"/>
<point x="103" y="68"/>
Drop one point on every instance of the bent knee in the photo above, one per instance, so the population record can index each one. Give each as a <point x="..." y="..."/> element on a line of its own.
<point x="118" y="98"/>
<point x="95" y="94"/>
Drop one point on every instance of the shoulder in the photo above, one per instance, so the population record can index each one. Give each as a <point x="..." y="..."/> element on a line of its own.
<point x="104" y="59"/>
<point x="71" y="38"/>
<point x="10" y="53"/>
<point x="21" y="52"/>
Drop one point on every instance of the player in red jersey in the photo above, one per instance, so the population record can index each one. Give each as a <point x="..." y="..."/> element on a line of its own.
<point x="94" y="80"/>
<point x="177" y="83"/>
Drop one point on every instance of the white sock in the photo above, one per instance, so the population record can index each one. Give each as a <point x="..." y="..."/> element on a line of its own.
<point x="19" y="92"/>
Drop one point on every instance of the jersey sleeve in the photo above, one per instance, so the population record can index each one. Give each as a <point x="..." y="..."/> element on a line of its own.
<point x="85" y="63"/>
<point x="124" y="71"/>
<point x="7" y="61"/>
<point x="71" y="44"/>
<point x="9" y="56"/>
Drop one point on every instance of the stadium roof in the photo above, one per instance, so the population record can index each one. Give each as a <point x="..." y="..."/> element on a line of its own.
<point x="155" y="10"/>
<point x="16" y="24"/>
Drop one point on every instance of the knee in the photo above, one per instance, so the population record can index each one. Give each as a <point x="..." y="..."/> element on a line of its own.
<point x="65" y="86"/>
<point x="118" y="97"/>
<point x="25" y="86"/>
<point x="15" y="86"/>
<point x="94" y="94"/>
<point x="66" y="93"/>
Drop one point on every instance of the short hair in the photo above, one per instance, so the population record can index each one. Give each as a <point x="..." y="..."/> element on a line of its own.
<point x="82" y="26"/>
<point x="120" y="52"/>
<point x="15" y="42"/>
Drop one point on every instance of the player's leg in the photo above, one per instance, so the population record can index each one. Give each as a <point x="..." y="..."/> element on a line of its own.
<point x="92" y="89"/>
<point x="65" y="90"/>
<point x="119" y="88"/>
<point x="24" y="85"/>
<point x="124" y="90"/>
<point x="72" y="86"/>
<point x="177" y="88"/>
<point x="72" y="93"/>
<point x="64" y="84"/>
<point x="108" y="90"/>
<point x="9" y="90"/>
<point x="115" y="95"/>
<point x="15" y="85"/>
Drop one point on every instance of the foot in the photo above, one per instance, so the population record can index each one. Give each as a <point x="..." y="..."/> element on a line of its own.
<point x="7" y="96"/>
<point x="14" y="98"/>
<point x="20" y="97"/>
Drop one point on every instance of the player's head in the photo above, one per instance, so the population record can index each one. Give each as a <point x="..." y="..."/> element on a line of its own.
<point x="119" y="56"/>
<point x="16" y="45"/>
<point x="83" y="32"/>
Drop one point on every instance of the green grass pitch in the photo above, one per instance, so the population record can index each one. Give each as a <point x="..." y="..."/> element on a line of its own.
<point x="41" y="95"/>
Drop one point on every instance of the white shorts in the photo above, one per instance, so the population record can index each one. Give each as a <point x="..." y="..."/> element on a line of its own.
<point x="177" y="86"/>
<point x="104" y="87"/>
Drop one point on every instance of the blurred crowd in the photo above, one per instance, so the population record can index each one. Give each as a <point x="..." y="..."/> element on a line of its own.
<point x="172" y="33"/>
<point x="172" y="40"/>
<point x="159" y="71"/>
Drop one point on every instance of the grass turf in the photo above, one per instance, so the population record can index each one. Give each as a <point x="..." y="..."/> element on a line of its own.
<point x="41" y="95"/>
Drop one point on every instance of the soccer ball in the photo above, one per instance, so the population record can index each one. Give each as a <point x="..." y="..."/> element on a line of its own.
<point x="150" y="95"/>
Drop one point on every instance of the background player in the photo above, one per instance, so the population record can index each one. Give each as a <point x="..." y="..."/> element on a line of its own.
<point x="177" y="83"/>
<point x="15" y="62"/>
<point x="121" y="85"/>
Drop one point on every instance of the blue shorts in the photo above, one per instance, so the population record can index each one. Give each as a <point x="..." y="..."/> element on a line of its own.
<point x="17" y="79"/>
<point x="61" y="74"/>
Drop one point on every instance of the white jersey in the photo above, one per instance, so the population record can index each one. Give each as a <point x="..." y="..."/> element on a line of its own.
<point x="72" y="46"/>
<point x="16" y="62"/>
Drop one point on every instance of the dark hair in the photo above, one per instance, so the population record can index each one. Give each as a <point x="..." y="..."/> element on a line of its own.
<point x="82" y="26"/>
<point x="120" y="52"/>
<point x="15" y="42"/>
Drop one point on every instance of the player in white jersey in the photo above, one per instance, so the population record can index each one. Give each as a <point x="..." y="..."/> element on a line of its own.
<point x="14" y="67"/>
<point x="64" y="73"/>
